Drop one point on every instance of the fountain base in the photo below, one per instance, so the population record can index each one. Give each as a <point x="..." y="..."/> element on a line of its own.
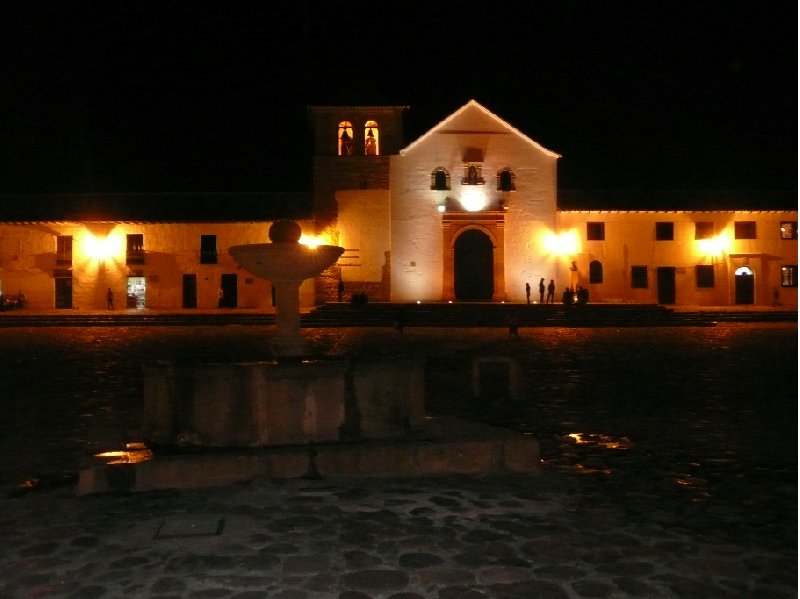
<point x="438" y="447"/>
<point x="285" y="402"/>
<point x="218" y="424"/>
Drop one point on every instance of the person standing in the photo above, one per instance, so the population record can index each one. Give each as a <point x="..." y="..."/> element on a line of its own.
<point x="340" y="289"/>
<point x="551" y="292"/>
<point x="513" y="324"/>
<point x="528" y="292"/>
<point x="400" y="320"/>
<point x="110" y="299"/>
<point x="541" y="290"/>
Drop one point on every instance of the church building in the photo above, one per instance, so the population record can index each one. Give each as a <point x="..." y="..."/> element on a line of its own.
<point x="469" y="211"/>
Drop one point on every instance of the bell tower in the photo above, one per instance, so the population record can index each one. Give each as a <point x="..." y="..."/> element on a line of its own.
<point x="351" y="145"/>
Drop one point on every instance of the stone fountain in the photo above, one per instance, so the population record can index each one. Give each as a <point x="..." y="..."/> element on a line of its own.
<point x="299" y="415"/>
<point x="295" y="398"/>
<point x="287" y="263"/>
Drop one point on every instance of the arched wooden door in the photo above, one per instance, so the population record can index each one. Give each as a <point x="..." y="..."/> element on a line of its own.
<point x="744" y="285"/>
<point x="473" y="266"/>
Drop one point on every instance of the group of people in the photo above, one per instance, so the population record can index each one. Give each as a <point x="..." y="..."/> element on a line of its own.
<point x="577" y="295"/>
<point x="10" y="302"/>
<point x="549" y="288"/>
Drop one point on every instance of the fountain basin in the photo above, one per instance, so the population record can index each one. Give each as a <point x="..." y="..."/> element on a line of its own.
<point x="262" y="404"/>
<point x="285" y="261"/>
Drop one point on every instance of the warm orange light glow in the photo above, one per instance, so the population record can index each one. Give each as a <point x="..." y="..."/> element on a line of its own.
<point x="473" y="198"/>
<point x="312" y="241"/>
<point x="565" y="243"/>
<point x="605" y="441"/>
<point x="134" y="453"/>
<point x="101" y="248"/>
<point x="714" y="246"/>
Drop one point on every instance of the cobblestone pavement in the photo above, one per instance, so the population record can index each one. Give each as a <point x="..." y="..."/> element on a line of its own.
<point x="696" y="499"/>
<point x="548" y="536"/>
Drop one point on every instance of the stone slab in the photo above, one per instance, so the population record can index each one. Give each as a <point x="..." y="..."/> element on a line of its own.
<point x="190" y="526"/>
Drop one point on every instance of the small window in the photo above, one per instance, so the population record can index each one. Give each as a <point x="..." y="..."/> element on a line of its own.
<point x="64" y="249"/>
<point x="473" y="174"/>
<point x="665" y="231"/>
<point x="134" y="253"/>
<point x="345" y="138"/>
<point x="208" y="249"/>
<point x="595" y="231"/>
<point x="789" y="275"/>
<point x="703" y="230"/>
<point x="371" y="138"/>
<point x="440" y="179"/>
<point x="595" y="272"/>
<point x="744" y="229"/>
<point x="704" y="275"/>
<point x="505" y="180"/>
<point x="639" y="277"/>
<point x="789" y="230"/>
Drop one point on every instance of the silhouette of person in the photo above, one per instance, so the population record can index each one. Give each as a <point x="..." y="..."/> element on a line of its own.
<point x="566" y="297"/>
<point x="340" y="289"/>
<point x="400" y="320"/>
<point x="541" y="290"/>
<point x="513" y="324"/>
<point x="551" y="292"/>
<point x="528" y="292"/>
<point x="581" y="296"/>
<point x="110" y="299"/>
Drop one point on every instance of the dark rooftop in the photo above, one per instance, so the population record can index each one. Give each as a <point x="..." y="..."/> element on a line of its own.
<point x="156" y="207"/>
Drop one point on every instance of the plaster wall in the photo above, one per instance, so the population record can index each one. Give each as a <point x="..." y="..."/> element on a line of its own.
<point x="364" y="230"/>
<point x="416" y="258"/>
<point x="28" y="262"/>
<point x="471" y="136"/>
<point x="630" y="240"/>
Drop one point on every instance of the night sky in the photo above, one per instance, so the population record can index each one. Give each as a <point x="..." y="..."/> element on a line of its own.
<point x="637" y="97"/>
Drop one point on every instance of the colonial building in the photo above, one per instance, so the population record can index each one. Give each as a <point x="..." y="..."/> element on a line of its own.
<point x="467" y="212"/>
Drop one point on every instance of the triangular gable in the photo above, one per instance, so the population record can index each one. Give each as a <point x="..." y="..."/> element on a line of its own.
<point x="447" y="126"/>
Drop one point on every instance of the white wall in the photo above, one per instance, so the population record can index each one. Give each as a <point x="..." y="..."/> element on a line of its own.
<point x="364" y="229"/>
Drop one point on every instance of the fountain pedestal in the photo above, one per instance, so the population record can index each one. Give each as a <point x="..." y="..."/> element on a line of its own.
<point x="288" y="342"/>
<point x="287" y="264"/>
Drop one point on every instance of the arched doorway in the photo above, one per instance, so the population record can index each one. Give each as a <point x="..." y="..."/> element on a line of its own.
<point x="473" y="266"/>
<point x="745" y="287"/>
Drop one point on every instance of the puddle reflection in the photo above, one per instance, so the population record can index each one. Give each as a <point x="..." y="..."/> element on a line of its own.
<point x="600" y="440"/>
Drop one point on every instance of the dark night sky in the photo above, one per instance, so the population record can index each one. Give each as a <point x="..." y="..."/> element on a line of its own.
<point x="135" y="96"/>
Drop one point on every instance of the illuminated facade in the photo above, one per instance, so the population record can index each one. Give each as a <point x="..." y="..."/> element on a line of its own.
<point x="469" y="211"/>
<point x="73" y="265"/>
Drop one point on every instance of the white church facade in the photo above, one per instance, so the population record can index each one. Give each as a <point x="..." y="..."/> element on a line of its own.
<point x="471" y="213"/>
<point x="467" y="212"/>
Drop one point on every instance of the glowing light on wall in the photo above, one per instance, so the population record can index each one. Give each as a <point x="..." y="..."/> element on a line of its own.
<point x="473" y="198"/>
<point x="565" y="243"/>
<point x="101" y="248"/>
<point x="714" y="246"/>
<point x="312" y="241"/>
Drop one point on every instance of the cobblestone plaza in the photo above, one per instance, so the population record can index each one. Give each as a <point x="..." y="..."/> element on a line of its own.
<point x="669" y="470"/>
